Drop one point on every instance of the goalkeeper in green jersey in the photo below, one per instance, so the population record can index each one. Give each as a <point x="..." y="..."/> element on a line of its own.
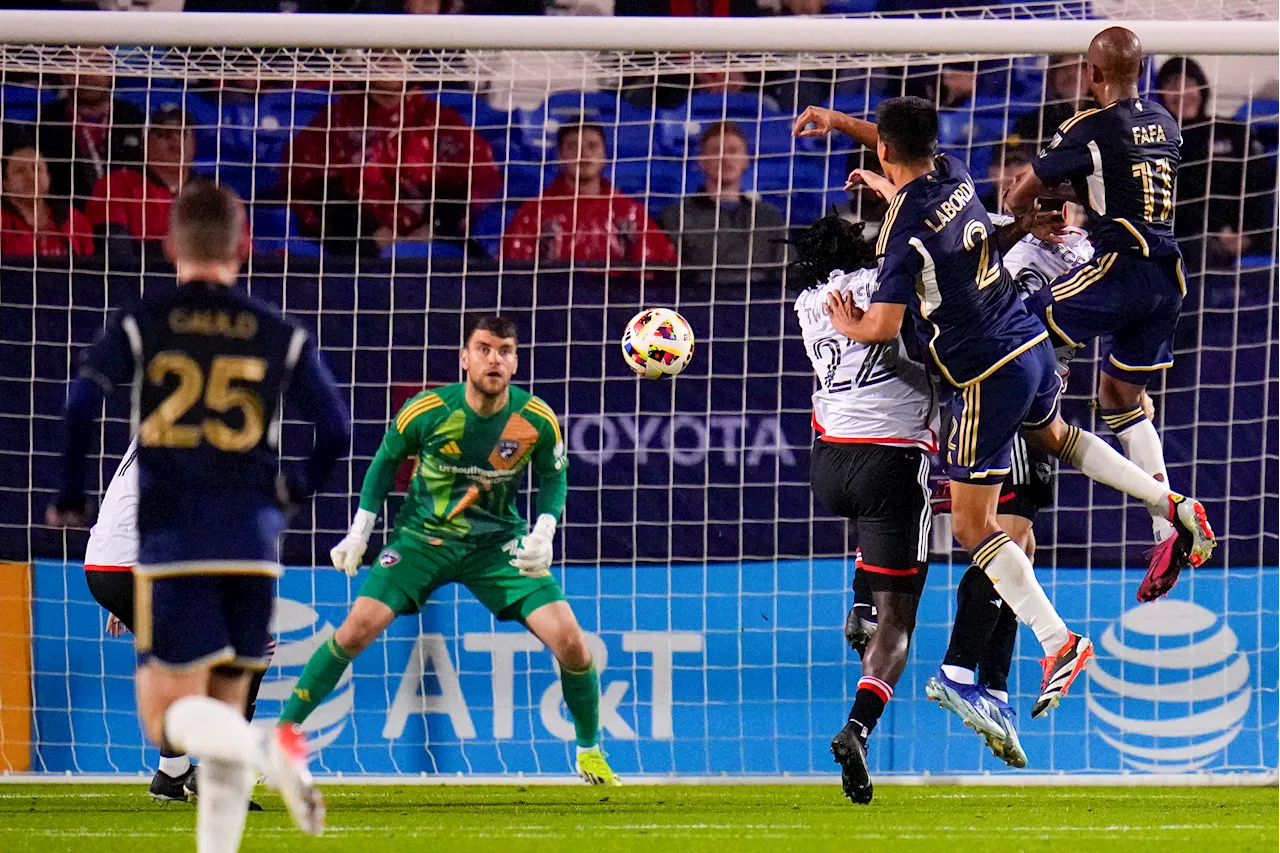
<point x="459" y="524"/>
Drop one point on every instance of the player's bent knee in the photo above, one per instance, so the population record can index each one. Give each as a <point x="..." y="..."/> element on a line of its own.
<point x="1115" y="393"/>
<point x="571" y="649"/>
<point x="366" y="621"/>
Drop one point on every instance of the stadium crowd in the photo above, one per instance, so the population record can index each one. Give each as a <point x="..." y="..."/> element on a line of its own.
<point x="697" y="170"/>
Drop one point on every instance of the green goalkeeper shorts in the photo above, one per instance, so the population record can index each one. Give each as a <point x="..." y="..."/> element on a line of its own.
<point x="409" y="569"/>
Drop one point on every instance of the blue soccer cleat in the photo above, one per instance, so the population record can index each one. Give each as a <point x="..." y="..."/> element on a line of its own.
<point x="966" y="701"/>
<point x="1007" y="748"/>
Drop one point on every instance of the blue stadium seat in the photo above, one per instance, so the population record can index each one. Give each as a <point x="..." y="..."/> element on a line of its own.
<point x="22" y="103"/>
<point x="657" y="182"/>
<point x="275" y="231"/>
<point x="149" y="94"/>
<point x="538" y="126"/>
<point x="1263" y="116"/>
<point x="436" y="250"/>
<point x="292" y="109"/>
<point x="245" y="139"/>
<point x="493" y="125"/>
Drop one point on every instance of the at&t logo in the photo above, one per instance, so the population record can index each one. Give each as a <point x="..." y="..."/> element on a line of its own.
<point x="1173" y="686"/>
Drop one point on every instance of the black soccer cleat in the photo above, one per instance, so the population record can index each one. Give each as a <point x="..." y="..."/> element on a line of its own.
<point x="193" y="791"/>
<point x="171" y="789"/>
<point x="851" y="754"/>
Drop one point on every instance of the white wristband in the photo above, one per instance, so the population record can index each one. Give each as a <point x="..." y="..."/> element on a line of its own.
<point x="362" y="524"/>
<point x="545" y="526"/>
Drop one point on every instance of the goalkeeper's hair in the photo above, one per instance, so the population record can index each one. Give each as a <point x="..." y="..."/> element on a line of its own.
<point x="206" y="224"/>
<point x="908" y="126"/>
<point x="494" y="324"/>
<point x="831" y="243"/>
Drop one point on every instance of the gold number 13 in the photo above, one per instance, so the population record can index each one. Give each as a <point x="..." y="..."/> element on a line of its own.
<point x="1157" y="189"/>
<point x="161" y="428"/>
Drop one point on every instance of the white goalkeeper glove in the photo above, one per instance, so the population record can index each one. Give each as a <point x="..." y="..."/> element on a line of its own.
<point x="347" y="553"/>
<point x="532" y="555"/>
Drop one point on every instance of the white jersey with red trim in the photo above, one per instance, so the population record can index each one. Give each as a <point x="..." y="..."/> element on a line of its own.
<point x="1033" y="262"/>
<point x="113" y="540"/>
<point x="867" y="393"/>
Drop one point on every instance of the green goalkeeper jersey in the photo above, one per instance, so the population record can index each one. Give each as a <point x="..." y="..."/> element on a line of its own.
<point x="468" y="469"/>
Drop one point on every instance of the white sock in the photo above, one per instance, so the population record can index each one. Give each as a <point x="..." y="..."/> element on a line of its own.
<point x="958" y="674"/>
<point x="222" y="805"/>
<point x="1015" y="582"/>
<point x="1142" y="445"/>
<point x="583" y="749"/>
<point x="209" y="729"/>
<point x="1002" y="695"/>
<point x="1100" y="462"/>
<point x="175" y="766"/>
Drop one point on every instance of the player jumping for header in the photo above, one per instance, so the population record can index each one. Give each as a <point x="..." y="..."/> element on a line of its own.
<point x="937" y="256"/>
<point x="211" y="368"/>
<point x="876" y="418"/>
<point x="1122" y="160"/>
<point x="459" y="524"/>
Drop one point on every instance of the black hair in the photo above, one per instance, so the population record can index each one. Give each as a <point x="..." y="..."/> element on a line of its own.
<point x="494" y="324"/>
<point x="579" y="127"/>
<point x="1185" y="66"/>
<point x="831" y="243"/>
<point x="909" y="127"/>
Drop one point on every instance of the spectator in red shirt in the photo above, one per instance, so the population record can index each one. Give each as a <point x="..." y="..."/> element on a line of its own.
<point x="580" y="219"/>
<point x="132" y="205"/>
<point x="385" y="165"/>
<point x="32" y="223"/>
<point x="87" y="133"/>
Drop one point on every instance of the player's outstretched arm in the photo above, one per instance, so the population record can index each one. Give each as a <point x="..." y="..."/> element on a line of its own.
<point x="819" y="121"/>
<point x="107" y="364"/>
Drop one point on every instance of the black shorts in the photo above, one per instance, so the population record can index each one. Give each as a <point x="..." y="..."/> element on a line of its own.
<point x="1029" y="486"/>
<point x="884" y="491"/>
<point x="214" y="620"/>
<point x="114" y="591"/>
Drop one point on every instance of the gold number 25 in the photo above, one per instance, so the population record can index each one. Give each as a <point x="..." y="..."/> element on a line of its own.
<point x="161" y="428"/>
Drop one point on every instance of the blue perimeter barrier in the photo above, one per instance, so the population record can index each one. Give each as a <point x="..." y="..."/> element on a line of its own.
<point x="720" y="668"/>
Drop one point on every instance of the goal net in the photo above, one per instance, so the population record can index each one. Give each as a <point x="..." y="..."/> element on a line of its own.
<point x="395" y="190"/>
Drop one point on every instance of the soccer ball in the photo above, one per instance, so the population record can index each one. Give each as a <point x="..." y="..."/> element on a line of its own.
<point x="657" y="343"/>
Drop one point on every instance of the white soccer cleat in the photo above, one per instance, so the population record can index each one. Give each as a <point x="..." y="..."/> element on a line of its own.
<point x="289" y="774"/>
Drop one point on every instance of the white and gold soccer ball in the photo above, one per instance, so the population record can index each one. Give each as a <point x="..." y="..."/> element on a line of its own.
<point x="657" y="343"/>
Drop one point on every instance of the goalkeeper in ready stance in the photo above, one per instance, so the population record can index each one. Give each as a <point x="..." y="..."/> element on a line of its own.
<point x="459" y="524"/>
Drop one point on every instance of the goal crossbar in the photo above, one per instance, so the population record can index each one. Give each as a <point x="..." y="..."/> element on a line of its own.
<point x="795" y="35"/>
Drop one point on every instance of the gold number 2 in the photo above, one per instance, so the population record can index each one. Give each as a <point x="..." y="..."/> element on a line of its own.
<point x="975" y="235"/>
<point x="1157" y="189"/>
<point x="161" y="428"/>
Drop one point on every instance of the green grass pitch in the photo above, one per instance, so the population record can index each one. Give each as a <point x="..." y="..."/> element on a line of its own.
<point x="658" y="819"/>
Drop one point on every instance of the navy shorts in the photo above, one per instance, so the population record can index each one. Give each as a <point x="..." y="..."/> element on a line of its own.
<point x="1132" y="303"/>
<point x="197" y="620"/>
<point x="987" y="415"/>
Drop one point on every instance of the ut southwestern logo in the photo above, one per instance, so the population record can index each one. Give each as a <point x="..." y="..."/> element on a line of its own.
<point x="1172" y="686"/>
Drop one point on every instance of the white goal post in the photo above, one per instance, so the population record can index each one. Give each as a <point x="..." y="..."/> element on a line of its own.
<point x="712" y="586"/>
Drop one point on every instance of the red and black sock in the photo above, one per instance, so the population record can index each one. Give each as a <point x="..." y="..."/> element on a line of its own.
<point x="868" y="704"/>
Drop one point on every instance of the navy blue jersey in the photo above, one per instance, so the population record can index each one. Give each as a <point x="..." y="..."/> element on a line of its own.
<point x="938" y="256"/>
<point x="1122" y="160"/>
<point x="210" y="369"/>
